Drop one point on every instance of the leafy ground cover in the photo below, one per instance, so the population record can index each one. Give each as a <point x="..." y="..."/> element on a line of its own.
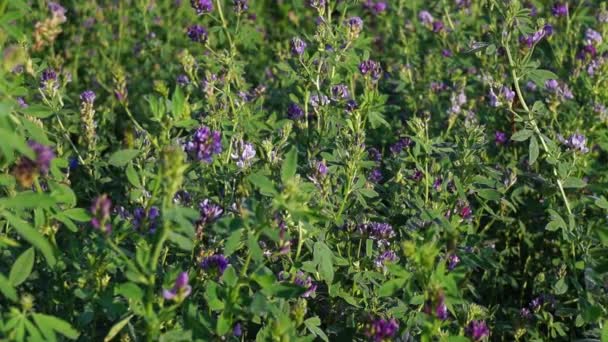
<point x="290" y="170"/>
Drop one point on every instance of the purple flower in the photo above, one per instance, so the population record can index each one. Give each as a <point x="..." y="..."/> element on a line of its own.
<point x="372" y="68"/>
<point x="374" y="154"/>
<point x="500" y="138"/>
<point x="354" y="26"/>
<point x="180" y="289"/>
<point x="339" y="92"/>
<point x="382" y="330"/>
<point x="437" y="184"/>
<point x="560" y="9"/>
<point x="100" y="209"/>
<point x="240" y="6"/>
<point x="49" y="79"/>
<point x="441" y="311"/>
<point x="446" y="53"/>
<point x="551" y="85"/>
<point x="453" y="261"/>
<point x="438" y="26"/>
<point x="197" y="34"/>
<point x="384" y="258"/>
<point x="426" y="18"/>
<point x="576" y="142"/>
<point x="216" y="263"/>
<point x="507" y="93"/>
<point x="321" y="169"/>
<point x="44" y="156"/>
<point x="316" y="3"/>
<point x="202" y="6"/>
<point x="593" y="37"/>
<point x="183" y="80"/>
<point x="400" y="145"/>
<point x="243" y="154"/>
<point x="477" y="330"/>
<point x="237" y="330"/>
<point x="306" y="282"/>
<point x="531" y="86"/>
<point x="88" y="96"/>
<point x="22" y="103"/>
<point x="379" y="7"/>
<point x="466" y="212"/>
<point x="204" y="144"/>
<point x="209" y="212"/>
<point x="376" y="175"/>
<point x="417" y="176"/>
<point x="142" y="217"/>
<point x="380" y="232"/>
<point x="493" y="99"/>
<point x="297" y="46"/>
<point x="351" y="106"/>
<point x="294" y="112"/>
<point x="318" y="100"/>
<point x="525" y="313"/>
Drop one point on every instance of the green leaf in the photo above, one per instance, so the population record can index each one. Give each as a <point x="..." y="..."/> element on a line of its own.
<point x="539" y="76"/>
<point x="230" y="277"/>
<point x="560" y="287"/>
<point x="323" y="257"/>
<point x="132" y="176"/>
<point x="290" y="165"/>
<point x="313" y="324"/>
<point x="47" y="322"/>
<point x="233" y="242"/>
<point x="22" y="268"/>
<point x="263" y="183"/>
<point x="264" y="277"/>
<point x="181" y="241"/>
<point x="27" y="200"/>
<point x="38" y="111"/>
<point x="32" y="236"/>
<point x="7" y="288"/>
<point x="602" y="203"/>
<point x="122" y="157"/>
<point x="15" y="142"/>
<point x="177" y="102"/>
<point x="534" y="151"/>
<point x="78" y="214"/>
<point x="605" y="332"/>
<point x="575" y="183"/>
<point x="390" y="287"/>
<point x="130" y="291"/>
<point x="224" y="323"/>
<point x="522" y="135"/>
<point x="116" y="328"/>
<point x="489" y="194"/>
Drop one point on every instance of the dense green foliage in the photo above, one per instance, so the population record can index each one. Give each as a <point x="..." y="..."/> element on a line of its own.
<point x="290" y="170"/>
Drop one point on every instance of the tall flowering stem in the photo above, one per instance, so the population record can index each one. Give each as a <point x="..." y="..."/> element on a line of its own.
<point x="531" y="119"/>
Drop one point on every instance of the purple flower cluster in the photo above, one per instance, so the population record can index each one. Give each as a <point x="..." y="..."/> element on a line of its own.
<point x="202" y="6"/>
<point x="381" y="232"/>
<point x="180" y="289"/>
<point x="576" y="142"/>
<point x="197" y="34"/>
<point x="532" y="39"/>
<point x="141" y="217"/>
<point x="427" y="19"/>
<point x="561" y="90"/>
<point x="384" y="258"/>
<point x="453" y="261"/>
<point x="243" y="154"/>
<point x="209" y="212"/>
<point x="88" y="96"/>
<point x="44" y="155"/>
<point x="376" y="7"/>
<point x="506" y="94"/>
<point x="100" y="209"/>
<point x="477" y="330"/>
<point x="306" y="282"/>
<point x="216" y="263"/>
<point x="340" y="92"/>
<point x="400" y="145"/>
<point x="204" y="144"/>
<point x="354" y="26"/>
<point x="297" y="46"/>
<point x="240" y="6"/>
<point x="500" y="138"/>
<point x="49" y="79"/>
<point x="295" y="112"/>
<point x="371" y="68"/>
<point x="560" y="9"/>
<point x="381" y="329"/>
